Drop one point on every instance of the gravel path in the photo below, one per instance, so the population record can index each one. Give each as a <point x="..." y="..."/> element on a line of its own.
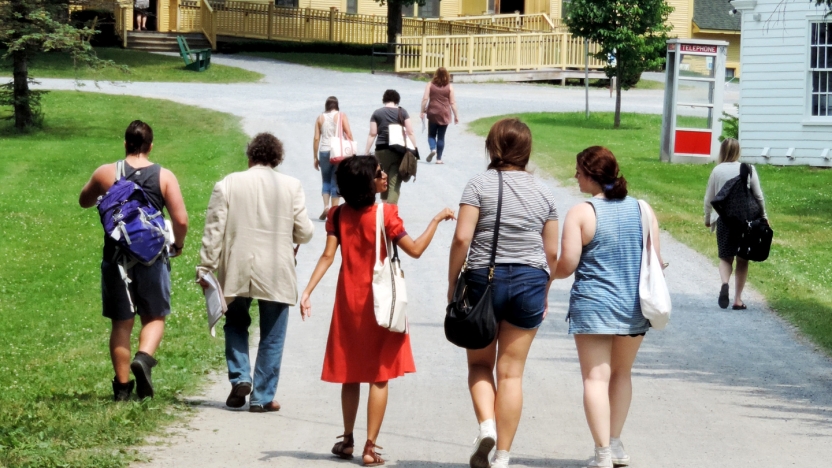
<point x="717" y="388"/>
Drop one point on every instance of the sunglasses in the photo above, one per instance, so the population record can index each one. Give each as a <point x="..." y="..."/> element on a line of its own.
<point x="379" y="174"/>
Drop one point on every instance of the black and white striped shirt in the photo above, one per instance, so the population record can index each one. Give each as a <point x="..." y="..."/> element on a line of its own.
<point x="527" y="206"/>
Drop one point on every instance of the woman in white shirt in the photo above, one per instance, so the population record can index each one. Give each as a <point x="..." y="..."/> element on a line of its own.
<point x="326" y="127"/>
<point x="728" y="240"/>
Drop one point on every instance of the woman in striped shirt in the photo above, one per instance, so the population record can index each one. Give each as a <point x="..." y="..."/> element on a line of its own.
<point x="527" y="251"/>
<point x="602" y="244"/>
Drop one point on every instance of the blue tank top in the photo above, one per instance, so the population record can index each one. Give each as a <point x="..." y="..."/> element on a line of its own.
<point x="604" y="298"/>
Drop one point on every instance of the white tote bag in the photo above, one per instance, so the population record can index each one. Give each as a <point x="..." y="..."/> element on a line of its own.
<point x="340" y="147"/>
<point x="397" y="138"/>
<point x="652" y="288"/>
<point x="389" y="291"/>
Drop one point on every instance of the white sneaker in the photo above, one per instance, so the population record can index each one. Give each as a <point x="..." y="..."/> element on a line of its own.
<point x="483" y="445"/>
<point x="619" y="456"/>
<point x="602" y="459"/>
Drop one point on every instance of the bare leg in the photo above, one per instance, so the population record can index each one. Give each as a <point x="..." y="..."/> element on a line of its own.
<point x="144" y="22"/>
<point x="595" y="354"/>
<point x="740" y="278"/>
<point x="326" y="197"/>
<point x="376" y="406"/>
<point x="481" y="380"/>
<point x="120" y="348"/>
<point x="624" y="350"/>
<point x="726" y="266"/>
<point x="350" y="395"/>
<point x="336" y="201"/>
<point x="514" y="344"/>
<point x="151" y="335"/>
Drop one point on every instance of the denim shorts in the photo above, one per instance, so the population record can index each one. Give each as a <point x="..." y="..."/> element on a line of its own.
<point x="149" y="290"/>
<point x="519" y="293"/>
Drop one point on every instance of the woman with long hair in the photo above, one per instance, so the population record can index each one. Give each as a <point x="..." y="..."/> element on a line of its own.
<point x="437" y="103"/>
<point x="602" y="245"/>
<point x="326" y="127"/>
<point x="526" y="254"/>
<point x="358" y="350"/>
<point x="727" y="239"/>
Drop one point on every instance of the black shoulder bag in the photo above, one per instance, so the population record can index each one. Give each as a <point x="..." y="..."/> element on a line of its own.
<point x="474" y="326"/>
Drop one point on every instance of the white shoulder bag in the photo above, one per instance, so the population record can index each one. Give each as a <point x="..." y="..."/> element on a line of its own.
<point x="652" y="288"/>
<point x="389" y="291"/>
<point x="340" y="147"/>
<point x="397" y="139"/>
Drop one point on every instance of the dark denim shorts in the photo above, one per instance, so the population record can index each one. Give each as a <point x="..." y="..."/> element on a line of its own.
<point x="519" y="293"/>
<point x="149" y="290"/>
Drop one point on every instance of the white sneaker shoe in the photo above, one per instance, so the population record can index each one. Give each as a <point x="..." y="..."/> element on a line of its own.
<point x="602" y="459"/>
<point x="483" y="445"/>
<point x="619" y="456"/>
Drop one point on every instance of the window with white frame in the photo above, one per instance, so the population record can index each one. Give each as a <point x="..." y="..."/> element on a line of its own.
<point x="820" y="69"/>
<point x="352" y="6"/>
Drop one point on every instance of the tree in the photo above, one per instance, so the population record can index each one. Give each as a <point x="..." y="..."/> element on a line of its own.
<point x="394" y="20"/>
<point x="30" y="27"/>
<point x="634" y="32"/>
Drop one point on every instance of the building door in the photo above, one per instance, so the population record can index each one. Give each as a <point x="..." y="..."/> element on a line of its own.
<point x="510" y="6"/>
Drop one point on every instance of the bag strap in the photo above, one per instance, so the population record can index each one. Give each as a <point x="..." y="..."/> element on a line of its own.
<point x="493" y="262"/>
<point x="119" y="169"/>
<point x="646" y="227"/>
<point x="380" y="233"/>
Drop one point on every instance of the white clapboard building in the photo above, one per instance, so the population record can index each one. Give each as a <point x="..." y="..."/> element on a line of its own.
<point x="786" y="86"/>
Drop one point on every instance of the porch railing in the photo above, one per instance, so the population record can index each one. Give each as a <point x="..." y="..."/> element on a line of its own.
<point x="208" y="23"/>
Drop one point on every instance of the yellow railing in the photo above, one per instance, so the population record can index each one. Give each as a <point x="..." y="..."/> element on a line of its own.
<point x="123" y="14"/>
<point x="515" y="22"/>
<point x="493" y="52"/>
<point x="208" y="23"/>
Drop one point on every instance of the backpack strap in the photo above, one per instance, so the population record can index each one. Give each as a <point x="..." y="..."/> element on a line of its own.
<point x="745" y="174"/>
<point x="119" y="169"/>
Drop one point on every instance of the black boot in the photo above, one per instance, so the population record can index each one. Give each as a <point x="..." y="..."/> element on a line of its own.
<point x="141" y="366"/>
<point x="122" y="391"/>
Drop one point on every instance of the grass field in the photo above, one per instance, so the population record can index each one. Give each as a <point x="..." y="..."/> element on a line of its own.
<point x="142" y="66"/>
<point x="796" y="279"/>
<point x="337" y="62"/>
<point x="55" y="372"/>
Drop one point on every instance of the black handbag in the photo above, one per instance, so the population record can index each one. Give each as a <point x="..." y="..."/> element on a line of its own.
<point x="755" y="244"/>
<point x="474" y="326"/>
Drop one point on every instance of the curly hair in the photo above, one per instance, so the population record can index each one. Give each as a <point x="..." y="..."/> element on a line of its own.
<point x="509" y="143"/>
<point x="391" y="95"/>
<point x="265" y="150"/>
<point x="356" y="180"/>
<point x="599" y="164"/>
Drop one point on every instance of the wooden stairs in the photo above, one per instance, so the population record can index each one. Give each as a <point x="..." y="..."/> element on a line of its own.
<point x="152" y="41"/>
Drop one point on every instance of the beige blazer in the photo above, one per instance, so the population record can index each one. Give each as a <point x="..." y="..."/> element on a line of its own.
<point x="253" y="219"/>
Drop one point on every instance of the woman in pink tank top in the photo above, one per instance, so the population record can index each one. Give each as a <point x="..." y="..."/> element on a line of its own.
<point x="437" y="103"/>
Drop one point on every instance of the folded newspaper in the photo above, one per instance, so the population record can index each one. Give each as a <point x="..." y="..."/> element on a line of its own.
<point x="215" y="305"/>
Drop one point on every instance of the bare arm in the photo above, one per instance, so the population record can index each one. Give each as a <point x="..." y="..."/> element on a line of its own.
<point x="176" y="207"/>
<point x="710" y="193"/>
<point x="415" y="248"/>
<point x="97" y="185"/>
<point x="453" y="105"/>
<point x="409" y="128"/>
<point x="320" y="270"/>
<point x="423" y="108"/>
<point x="316" y="140"/>
<point x="345" y="122"/>
<point x="371" y="137"/>
<point x="572" y="243"/>
<point x="757" y="191"/>
<point x="465" y="226"/>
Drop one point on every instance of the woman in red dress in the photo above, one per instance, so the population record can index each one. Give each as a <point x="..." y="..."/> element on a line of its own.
<point x="358" y="350"/>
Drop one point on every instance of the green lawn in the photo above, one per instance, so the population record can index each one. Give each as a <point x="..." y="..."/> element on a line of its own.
<point x="55" y="371"/>
<point x="796" y="279"/>
<point x="143" y="66"/>
<point x="337" y="62"/>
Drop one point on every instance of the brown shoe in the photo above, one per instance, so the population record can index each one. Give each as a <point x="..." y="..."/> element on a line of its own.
<point x="324" y="214"/>
<point x="267" y="408"/>
<point x="344" y="448"/>
<point x="371" y="457"/>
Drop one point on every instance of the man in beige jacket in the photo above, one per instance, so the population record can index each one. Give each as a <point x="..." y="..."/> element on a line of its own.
<point x="253" y="219"/>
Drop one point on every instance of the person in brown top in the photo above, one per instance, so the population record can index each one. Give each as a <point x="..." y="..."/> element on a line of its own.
<point x="437" y="103"/>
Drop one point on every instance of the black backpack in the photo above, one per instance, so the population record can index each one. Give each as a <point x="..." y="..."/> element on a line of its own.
<point x="734" y="202"/>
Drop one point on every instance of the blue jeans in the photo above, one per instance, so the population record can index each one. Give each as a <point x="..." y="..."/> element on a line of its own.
<point x="518" y="294"/>
<point x="274" y="316"/>
<point x="330" y="186"/>
<point x="436" y="138"/>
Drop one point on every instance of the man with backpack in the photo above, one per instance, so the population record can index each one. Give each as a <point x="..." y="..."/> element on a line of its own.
<point x="131" y="196"/>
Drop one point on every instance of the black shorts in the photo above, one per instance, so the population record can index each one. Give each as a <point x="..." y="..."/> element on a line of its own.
<point x="149" y="290"/>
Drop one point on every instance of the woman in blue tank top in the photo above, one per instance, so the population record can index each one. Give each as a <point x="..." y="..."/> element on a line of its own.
<point x="602" y="244"/>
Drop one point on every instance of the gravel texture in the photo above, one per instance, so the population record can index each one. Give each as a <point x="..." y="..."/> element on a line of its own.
<point x="717" y="388"/>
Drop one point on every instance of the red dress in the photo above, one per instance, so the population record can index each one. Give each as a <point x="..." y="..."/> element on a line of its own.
<point x="359" y="350"/>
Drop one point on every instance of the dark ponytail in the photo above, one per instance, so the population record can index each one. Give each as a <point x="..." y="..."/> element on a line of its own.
<point x="599" y="164"/>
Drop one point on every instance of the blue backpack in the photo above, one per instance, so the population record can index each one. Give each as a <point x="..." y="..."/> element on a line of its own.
<point x="131" y="220"/>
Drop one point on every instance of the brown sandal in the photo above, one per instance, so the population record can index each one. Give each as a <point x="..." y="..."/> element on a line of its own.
<point x="340" y="448"/>
<point x="369" y="451"/>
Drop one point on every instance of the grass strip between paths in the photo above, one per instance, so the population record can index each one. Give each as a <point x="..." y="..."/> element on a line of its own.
<point x="143" y="66"/>
<point x="342" y="63"/>
<point x="56" y="406"/>
<point x="796" y="279"/>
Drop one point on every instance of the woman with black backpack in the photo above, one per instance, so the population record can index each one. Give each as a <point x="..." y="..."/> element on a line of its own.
<point x="729" y="235"/>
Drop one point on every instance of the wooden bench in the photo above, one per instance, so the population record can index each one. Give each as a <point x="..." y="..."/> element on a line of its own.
<point x="201" y="60"/>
